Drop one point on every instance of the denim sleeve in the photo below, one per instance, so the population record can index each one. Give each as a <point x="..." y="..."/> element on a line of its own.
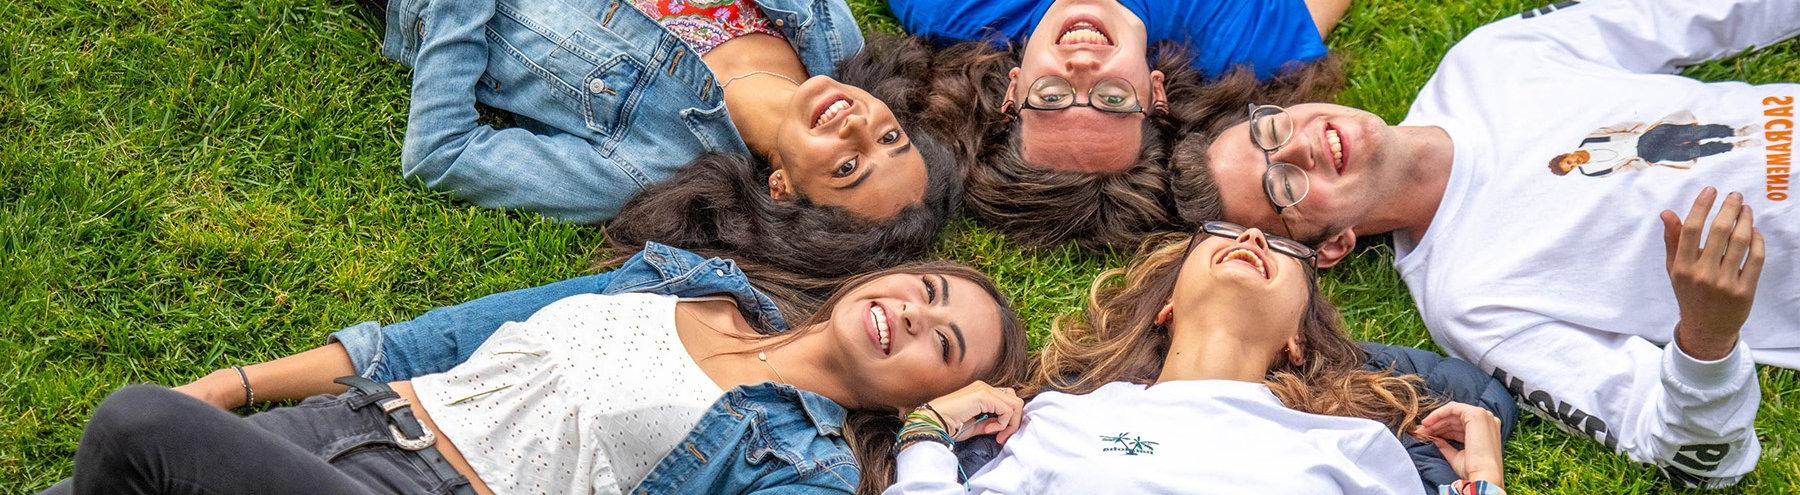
<point x="444" y="337"/>
<point x="1450" y="378"/>
<point x="556" y="174"/>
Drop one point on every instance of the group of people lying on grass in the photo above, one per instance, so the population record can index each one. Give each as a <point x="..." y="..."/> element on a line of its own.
<point x="780" y="179"/>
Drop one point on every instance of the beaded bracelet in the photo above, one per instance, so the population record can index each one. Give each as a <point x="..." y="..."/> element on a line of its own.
<point x="920" y="427"/>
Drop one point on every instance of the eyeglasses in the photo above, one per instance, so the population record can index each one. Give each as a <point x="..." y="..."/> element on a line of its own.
<point x="1110" y="95"/>
<point x="1284" y="183"/>
<point x="1280" y="244"/>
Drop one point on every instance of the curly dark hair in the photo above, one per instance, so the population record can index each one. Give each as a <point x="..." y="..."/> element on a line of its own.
<point x="1044" y="207"/>
<point x="719" y="204"/>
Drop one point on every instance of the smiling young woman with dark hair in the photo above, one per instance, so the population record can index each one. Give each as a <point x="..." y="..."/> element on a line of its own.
<point x="597" y="394"/>
<point x="609" y="102"/>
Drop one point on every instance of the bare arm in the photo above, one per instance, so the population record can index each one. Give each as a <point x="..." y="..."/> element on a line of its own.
<point x="294" y="377"/>
<point x="1327" y="13"/>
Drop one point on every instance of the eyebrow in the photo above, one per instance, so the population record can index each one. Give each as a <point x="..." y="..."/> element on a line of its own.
<point x="867" y="171"/>
<point x="962" y="347"/>
<point x="901" y="150"/>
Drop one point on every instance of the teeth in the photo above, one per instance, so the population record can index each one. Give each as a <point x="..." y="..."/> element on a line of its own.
<point x="1083" y="33"/>
<point x="881" y="326"/>
<point x="1249" y="257"/>
<point x="831" y="111"/>
<point x="1337" y="146"/>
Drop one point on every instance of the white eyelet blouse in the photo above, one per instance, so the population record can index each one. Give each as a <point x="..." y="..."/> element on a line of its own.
<point x="585" y="396"/>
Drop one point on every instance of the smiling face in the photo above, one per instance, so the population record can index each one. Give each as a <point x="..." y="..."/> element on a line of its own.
<point x="909" y="338"/>
<point x="1085" y="42"/>
<point x="842" y="147"/>
<point x="1244" y="284"/>
<point x="1345" y="153"/>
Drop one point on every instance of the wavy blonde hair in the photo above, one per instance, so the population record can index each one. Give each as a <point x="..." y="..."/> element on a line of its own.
<point x="1116" y="341"/>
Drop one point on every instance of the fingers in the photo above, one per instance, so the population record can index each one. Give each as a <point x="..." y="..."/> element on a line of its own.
<point x="1718" y="238"/>
<point x="1739" y="243"/>
<point x="1671" y="235"/>
<point x="1690" y="228"/>
<point x="1753" y="265"/>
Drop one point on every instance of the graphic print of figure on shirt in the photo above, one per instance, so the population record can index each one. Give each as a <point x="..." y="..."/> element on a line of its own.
<point x="1677" y="141"/>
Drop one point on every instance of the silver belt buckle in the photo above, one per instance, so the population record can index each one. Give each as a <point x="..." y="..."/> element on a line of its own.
<point x="422" y="442"/>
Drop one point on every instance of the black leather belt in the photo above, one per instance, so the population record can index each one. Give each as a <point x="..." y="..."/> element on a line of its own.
<point x="406" y="429"/>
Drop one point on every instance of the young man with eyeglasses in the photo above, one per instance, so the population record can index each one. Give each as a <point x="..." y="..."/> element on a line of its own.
<point x="1560" y="284"/>
<point x="1080" y="48"/>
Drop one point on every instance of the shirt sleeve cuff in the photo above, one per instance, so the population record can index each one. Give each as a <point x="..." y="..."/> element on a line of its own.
<point x="1728" y="372"/>
<point x="926" y="464"/>
<point x="363" y="342"/>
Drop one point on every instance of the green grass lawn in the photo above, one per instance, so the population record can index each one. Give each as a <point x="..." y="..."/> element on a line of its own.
<point x="189" y="184"/>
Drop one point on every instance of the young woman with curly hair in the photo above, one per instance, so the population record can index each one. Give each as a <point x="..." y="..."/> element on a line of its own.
<point x="608" y="100"/>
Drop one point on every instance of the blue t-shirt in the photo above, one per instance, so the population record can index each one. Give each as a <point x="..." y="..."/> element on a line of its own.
<point x="1221" y="33"/>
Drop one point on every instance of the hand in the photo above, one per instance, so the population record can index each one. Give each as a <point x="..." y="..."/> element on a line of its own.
<point x="1714" y="284"/>
<point x="223" y="389"/>
<point x="1479" y="432"/>
<point x="959" y="408"/>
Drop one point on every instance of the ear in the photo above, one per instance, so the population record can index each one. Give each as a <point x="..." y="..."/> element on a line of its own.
<point x="1165" y="314"/>
<point x="1336" y="248"/>
<point x="1296" y="355"/>
<point x="1159" y="95"/>
<point x="1012" y="85"/>
<point x="779" y="189"/>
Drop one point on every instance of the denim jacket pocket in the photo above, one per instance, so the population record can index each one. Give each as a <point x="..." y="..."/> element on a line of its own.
<point x="602" y="81"/>
<point x="609" y="96"/>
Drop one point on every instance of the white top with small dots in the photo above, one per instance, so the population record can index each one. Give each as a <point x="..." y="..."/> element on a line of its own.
<point x="585" y="396"/>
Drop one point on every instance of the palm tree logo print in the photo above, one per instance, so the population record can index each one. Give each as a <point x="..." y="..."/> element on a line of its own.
<point x="1130" y="445"/>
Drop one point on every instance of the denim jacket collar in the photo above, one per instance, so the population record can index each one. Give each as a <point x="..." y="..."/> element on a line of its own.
<point x="685" y="274"/>
<point x="825" y="414"/>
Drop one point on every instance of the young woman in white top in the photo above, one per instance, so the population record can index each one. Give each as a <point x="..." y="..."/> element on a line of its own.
<point x="1216" y="367"/>
<point x="598" y="394"/>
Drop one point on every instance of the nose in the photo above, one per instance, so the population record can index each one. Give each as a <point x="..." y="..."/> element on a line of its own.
<point x="1081" y="61"/>
<point x="1254" y="236"/>
<point x="1298" y="151"/>
<point x="853" y="124"/>
<point x="918" y="317"/>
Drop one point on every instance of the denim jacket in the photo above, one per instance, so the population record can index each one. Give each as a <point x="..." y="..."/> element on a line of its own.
<point x="778" y="438"/>
<point x="605" y="100"/>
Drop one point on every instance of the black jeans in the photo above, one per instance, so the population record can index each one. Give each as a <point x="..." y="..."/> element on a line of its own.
<point x="1682" y="142"/>
<point x="146" y="439"/>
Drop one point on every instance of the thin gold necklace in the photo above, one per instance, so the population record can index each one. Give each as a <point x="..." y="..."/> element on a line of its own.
<point x="760" y="355"/>
<point x="728" y="82"/>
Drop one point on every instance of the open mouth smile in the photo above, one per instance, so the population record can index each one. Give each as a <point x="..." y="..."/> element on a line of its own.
<point x="1336" y="143"/>
<point x="1083" y="33"/>
<point x="878" y="329"/>
<point x="1246" y="256"/>
<point x="830" y="111"/>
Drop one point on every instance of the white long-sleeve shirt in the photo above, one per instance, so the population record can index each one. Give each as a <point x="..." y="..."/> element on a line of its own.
<point x="1196" y="436"/>
<point x="1556" y="283"/>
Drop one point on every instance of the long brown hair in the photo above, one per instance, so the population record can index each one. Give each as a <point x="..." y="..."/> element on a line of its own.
<point x="1044" y="207"/>
<point x="1117" y="341"/>
<point x="870" y="432"/>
